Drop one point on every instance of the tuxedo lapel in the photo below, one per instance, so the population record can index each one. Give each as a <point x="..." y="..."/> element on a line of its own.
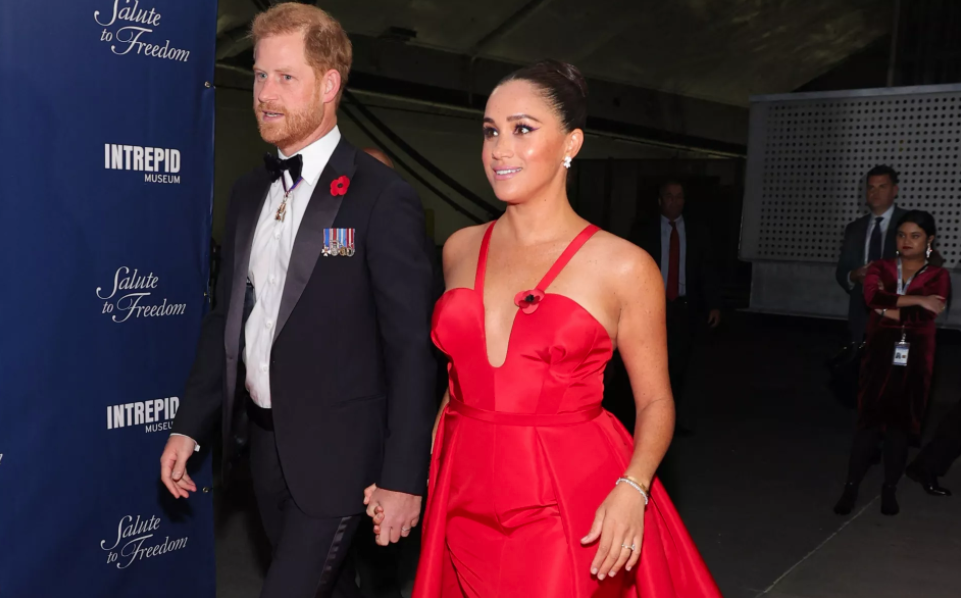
<point x="861" y="233"/>
<point x="320" y="214"/>
<point x="654" y="240"/>
<point x="249" y="212"/>
<point x="247" y="219"/>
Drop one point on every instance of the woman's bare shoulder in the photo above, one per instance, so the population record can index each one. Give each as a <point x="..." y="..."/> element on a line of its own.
<point x="462" y="244"/>
<point x="620" y="257"/>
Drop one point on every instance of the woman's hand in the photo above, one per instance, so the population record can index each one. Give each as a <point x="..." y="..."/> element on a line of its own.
<point x="619" y="523"/>
<point x="378" y="516"/>
<point x="933" y="303"/>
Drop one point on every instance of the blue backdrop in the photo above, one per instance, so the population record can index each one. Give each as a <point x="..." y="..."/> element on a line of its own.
<point x="106" y="175"/>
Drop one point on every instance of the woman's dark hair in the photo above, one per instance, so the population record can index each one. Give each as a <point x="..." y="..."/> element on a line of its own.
<point x="924" y="220"/>
<point x="562" y="85"/>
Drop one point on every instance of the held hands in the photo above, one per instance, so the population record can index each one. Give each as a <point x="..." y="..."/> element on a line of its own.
<point x="619" y="523"/>
<point x="394" y="513"/>
<point x="173" y="466"/>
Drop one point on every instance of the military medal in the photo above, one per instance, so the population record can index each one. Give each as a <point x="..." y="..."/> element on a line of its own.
<point x="338" y="242"/>
<point x="282" y="210"/>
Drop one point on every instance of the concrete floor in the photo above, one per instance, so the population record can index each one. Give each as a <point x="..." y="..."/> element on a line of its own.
<point x="756" y="483"/>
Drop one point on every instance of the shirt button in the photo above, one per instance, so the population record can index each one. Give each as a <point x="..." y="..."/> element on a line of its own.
<point x="273" y="279"/>
<point x="264" y="368"/>
<point x="268" y="323"/>
<point x="277" y="234"/>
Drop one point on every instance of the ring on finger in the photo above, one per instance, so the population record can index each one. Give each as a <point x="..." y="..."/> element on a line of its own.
<point x="631" y="547"/>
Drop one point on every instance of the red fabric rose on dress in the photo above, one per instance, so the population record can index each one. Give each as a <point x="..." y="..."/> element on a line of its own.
<point x="339" y="186"/>
<point x="528" y="300"/>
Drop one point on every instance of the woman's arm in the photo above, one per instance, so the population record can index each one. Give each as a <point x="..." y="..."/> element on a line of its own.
<point x="440" y="413"/>
<point x="642" y="340"/>
<point x="890" y="314"/>
<point x="877" y="297"/>
<point x="931" y="302"/>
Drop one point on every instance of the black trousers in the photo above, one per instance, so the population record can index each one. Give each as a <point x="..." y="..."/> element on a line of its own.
<point x="680" y="340"/>
<point x="865" y="448"/>
<point x="308" y="553"/>
<point x="938" y="455"/>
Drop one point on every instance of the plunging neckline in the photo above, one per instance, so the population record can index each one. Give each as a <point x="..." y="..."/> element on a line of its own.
<point x="559" y="264"/>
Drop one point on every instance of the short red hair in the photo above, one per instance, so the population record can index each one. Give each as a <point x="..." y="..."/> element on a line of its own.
<point x="326" y="44"/>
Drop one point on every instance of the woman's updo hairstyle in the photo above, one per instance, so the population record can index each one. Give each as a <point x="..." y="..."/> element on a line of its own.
<point x="562" y="85"/>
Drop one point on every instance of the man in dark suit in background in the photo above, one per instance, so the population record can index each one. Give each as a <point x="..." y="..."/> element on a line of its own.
<point x="321" y="335"/>
<point x="684" y="253"/>
<point x="869" y="238"/>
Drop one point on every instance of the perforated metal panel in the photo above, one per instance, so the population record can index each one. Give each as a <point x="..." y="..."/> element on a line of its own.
<point x="807" y="158"/>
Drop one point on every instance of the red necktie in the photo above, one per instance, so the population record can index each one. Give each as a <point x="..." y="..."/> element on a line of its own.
<point x="674" y="268"/>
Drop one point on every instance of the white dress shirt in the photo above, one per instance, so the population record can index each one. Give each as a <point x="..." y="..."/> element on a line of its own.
<point x="885" y="224"/>
<point x="666" y="253"/>
<point x="269" y="258"/>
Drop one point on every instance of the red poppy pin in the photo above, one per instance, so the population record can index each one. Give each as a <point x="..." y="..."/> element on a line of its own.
<point x="339" y="186"/>
<point x="528" y="300"/>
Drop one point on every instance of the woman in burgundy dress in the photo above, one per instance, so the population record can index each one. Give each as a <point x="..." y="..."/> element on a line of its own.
<point x="535" y="490"/>
<point x="905" y="295"/>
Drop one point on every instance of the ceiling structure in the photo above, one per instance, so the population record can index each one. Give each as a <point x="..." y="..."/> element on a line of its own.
<point x="717" y="50"/>
<point x="679" y="69"/>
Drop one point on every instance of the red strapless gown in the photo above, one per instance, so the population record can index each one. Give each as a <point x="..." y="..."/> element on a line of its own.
<point x="525" y="454"/>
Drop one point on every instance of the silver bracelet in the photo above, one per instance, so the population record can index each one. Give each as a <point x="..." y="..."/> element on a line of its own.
<point x="635" y="486"/>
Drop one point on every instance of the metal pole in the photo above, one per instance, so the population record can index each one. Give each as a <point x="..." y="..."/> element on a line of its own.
<point x="892" y="58"/>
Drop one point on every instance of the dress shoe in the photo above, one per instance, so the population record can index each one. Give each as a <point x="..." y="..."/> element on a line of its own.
<point x="927" y="481"/>
<point x="889" y="500"/>
<point x="845" y="504"/>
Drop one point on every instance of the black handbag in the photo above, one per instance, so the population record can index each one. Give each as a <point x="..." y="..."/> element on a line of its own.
<point x="845" y="368"/>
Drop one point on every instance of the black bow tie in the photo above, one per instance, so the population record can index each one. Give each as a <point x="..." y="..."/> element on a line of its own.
<point x="276" y="166"/>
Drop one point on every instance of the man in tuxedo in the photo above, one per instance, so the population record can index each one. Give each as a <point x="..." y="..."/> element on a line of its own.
<point x="869" y="238"/>
<point x="318" y="351"/>
<point x="684" y="253"/>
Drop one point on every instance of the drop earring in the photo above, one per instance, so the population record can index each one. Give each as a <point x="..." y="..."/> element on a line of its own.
<point x="927" y="253"/>
<point x="567" y="161"/>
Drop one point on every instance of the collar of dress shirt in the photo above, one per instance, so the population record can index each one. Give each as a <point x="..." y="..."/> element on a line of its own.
<point x="316" y="155"/>
<point x="665" y="221"/>
<point x="885" y="216"/>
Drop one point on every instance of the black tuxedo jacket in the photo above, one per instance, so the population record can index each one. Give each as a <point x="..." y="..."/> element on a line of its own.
<point x="702" y="280"/>
<point x="351" y="373"/>
<point x="852" y="258"/>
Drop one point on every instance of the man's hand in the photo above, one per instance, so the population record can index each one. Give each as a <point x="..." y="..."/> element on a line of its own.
<point x="714" y="318"/>
<point x="857" y="276"/>
<point x="394" y="513"/>
<point x="173" y="466"/>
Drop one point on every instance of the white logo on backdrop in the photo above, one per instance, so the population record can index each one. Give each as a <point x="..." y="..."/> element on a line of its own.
<point x="132" y="535"/>
<point x="159" y="164"/>
<point x="128" y="28"/>
<point x="132" y="297"/>
<point x="156" y="415"/>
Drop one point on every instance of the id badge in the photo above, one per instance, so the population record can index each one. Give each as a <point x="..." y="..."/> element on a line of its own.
<point x="901" y="353"/>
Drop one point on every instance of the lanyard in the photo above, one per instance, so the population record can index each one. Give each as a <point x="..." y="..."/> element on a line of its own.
<point x="902" y="284"/>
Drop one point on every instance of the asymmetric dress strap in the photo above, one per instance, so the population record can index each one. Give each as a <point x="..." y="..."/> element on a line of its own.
<point x="573" y="247"/>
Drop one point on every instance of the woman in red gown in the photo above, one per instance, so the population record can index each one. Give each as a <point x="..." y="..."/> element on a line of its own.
<point x="535" y="490"/>
<point x="906" y="295"/>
